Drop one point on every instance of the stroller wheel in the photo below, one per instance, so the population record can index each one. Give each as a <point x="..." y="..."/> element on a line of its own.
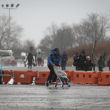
<point x="69" y="85"/>
<point x="62" y="85"/>
<point x="55" y="85"/>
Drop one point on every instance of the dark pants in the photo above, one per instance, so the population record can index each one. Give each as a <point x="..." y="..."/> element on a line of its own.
<point x="1" y="72"/>
<point x="63" y="67"/>
<point x="30" y="64"/>
<point x="101" y="69"/>
<point x="39" y="61"/>
<point x="51" y="72"/>
<point x="94" y="67"/>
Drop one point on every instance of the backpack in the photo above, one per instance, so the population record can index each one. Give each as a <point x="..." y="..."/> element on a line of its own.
<point x="30" y="57"/>
<point x="75" y="62"/>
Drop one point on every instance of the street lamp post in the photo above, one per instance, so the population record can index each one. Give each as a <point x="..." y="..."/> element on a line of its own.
<point x="9" y="7"/>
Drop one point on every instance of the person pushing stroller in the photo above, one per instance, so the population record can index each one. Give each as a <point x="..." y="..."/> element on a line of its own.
<point x="54" y="59"/>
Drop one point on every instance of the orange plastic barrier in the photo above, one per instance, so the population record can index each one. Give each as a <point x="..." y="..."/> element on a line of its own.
<point x="83" y="77"/>
<point x="43" y="75"/>
<point x="93" y="77"/>
<point x="24" y="76"/>
<point x="6" y="79"/>
<point x="105" y="78"/>
<point x="69" y="75"/>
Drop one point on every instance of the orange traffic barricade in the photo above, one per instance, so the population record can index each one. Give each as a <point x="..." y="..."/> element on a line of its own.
<point x="105" y="78"/>
<point x="24" y="76"/>
<point x="42" y="77"/>
<point x="86" y="77"/>
<point x="70" y="74"/>
<point x="6" y="79"/>
<point x="79" y="77"/>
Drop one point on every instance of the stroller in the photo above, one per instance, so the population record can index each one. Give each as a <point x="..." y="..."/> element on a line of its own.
<point x="61" y="76"/>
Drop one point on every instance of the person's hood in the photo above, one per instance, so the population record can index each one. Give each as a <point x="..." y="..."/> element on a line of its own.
<point x="52" y="51"/>
<point x="83" y="51"/>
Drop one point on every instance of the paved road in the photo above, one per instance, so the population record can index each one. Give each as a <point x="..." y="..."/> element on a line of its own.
<point x="38" y="97"/>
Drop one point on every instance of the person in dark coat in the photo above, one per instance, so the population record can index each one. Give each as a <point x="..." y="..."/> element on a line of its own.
<point x="100" y="64"/>
<point x="88" y="64"/>
<point x="64" y="60"/>
<point x="81" y="60"/>
<point x="30" y="60"/>
<point x="108" y="64"/>
<point x="104" y="56"/>
<point x="75" y="60"/>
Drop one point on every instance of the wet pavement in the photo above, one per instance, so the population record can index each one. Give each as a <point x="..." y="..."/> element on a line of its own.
<point x="39" y="97"/>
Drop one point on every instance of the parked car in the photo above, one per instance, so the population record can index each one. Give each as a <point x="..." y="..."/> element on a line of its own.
<point x="8" y="61"/>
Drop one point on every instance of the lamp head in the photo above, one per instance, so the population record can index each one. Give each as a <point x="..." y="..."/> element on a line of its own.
<point x="17" y="5"/>
<point x="7" y="5"/>
<point x="2" y="5"/>
<point x="12" y="5"/>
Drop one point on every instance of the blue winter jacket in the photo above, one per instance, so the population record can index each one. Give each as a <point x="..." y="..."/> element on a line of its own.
<point x="108" y="63"/>
<point x="53" y="58"/>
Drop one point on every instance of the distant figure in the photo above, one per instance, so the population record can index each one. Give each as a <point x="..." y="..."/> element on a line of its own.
<point x="108" y="64"/>
<point x="25" y="59"/>
<point x="75" y="60"/>
<point x="64" y="60"/>
<point x="39" y="58"/>
<point x="104" y="56"/>
<point x="30" y="60"/>
<point x="100" y="64"/>
<point x="94" y="62"/>
<point x="81" y="60"/>
<point x="88" y="65"/>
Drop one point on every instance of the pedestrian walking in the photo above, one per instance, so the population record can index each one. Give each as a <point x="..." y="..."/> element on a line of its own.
<point x="74" y="55"/>
<point x="108" y="64"/>
<point x="39" y="59"/>
<point x="80" y="61"/>
<point x="104" y="56"/>
<point x="94" y="62"/>
<point x="88" y="64"/>
<point x="75" y="60"/>
<point x="64" y="60"/>
<point x="54" y="59"/>
<point x="30" y="60"/>
<point x="100" y="64"/>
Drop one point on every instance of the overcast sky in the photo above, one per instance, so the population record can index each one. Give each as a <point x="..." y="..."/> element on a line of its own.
<point x="36" y="15"/>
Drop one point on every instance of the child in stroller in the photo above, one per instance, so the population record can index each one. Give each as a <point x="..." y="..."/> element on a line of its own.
<point x="61" y="76"/>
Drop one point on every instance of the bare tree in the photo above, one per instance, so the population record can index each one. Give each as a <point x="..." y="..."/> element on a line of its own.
<point x="7" y="41"/>
<point x="62" y="38"/>
<point x="94" y="27"/>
